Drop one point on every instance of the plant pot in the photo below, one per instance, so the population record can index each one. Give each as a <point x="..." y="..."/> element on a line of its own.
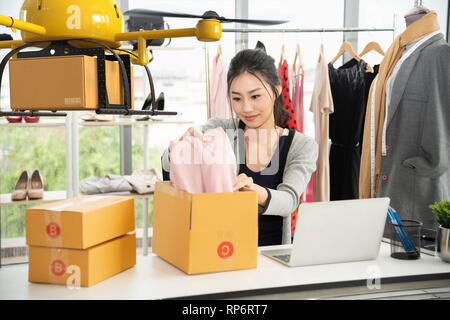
<point x="443" y="243"/>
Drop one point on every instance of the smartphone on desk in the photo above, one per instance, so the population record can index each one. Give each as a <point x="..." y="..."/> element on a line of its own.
<point x="428" y="241"/>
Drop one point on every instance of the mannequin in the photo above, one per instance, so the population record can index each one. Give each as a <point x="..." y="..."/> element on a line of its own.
<point x="415" y="14"/>
<point x="415" y="168"/>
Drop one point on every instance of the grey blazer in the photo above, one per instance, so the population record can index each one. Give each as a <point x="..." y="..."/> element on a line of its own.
<point x="300" y="164"/>
<point x="415" y="171"/>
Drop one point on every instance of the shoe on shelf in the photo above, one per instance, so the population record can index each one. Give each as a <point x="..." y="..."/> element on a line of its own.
<point x="160" y="102"/>
<point x="148" y="102"/>
<point x="142" y="118"/>
<point x="35" y="186"/>
<point x="31" y="119"/>
<point x="20" y="190"/>
<point x="88" y="116"/>
<point x="14" y="119"/>
<point x="104" y="117"/>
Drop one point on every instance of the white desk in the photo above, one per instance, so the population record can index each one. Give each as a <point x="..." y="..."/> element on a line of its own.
<point x="153" y="278"/>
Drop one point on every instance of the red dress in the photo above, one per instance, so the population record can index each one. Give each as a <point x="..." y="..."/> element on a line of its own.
<point x="283" y="73"/>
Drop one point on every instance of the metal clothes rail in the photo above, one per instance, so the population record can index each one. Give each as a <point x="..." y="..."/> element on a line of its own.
<point x="308" y="30"/>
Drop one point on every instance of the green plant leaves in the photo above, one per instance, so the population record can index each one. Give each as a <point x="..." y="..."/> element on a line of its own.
<point x="442" y="211"/>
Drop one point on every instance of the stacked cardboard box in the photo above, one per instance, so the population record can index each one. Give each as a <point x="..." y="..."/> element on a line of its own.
<point x="81" y="241"/>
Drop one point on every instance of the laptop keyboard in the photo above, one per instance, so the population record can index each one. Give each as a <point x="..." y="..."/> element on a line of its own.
<point x="283" y="257"/>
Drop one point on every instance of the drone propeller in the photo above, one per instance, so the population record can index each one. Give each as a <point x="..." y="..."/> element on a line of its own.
<point x="206" y="15"/>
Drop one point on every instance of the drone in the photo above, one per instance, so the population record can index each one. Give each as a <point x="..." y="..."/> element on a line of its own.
<point x="65" y="28"/>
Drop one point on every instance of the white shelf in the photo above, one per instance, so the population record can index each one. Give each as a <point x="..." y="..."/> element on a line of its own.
<point x="46" y="124"/>
<point x="117" y="122"/>
<point x="49" y="196"/>
<point x="130" y="122"/>
<point x="125" y="194"/>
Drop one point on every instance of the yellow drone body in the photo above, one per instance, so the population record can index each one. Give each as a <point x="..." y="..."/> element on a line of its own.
<point x="98" y="20"/>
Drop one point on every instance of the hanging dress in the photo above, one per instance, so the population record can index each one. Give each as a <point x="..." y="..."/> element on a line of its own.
<point x="219" y="106"/>
<point x="321" y="107"/>
<point x="283" y="73"/>
<point x="350" y="86"/>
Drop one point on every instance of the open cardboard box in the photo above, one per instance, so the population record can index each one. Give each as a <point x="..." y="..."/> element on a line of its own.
<point x="205" y="232"/>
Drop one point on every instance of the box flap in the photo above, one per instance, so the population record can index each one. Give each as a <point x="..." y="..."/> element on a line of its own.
<point x="171" y="221"/>
<point x="80" y="204"/>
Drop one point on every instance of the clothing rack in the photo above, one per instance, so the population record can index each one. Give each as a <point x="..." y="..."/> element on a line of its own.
<point x="308" y="30"/>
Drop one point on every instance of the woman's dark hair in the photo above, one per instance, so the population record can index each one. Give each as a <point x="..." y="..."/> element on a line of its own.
<point x="259" y="64"/>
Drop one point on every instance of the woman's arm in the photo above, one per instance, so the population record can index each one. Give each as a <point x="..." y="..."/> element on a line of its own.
<point x="300" y="164"/>
<point x="210" y="124"/>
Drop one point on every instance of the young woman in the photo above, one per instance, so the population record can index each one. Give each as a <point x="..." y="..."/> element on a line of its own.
<point x="288" y="158"/>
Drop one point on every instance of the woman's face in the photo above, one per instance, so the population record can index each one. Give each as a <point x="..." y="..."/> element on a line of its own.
<point x="252" y="100"/>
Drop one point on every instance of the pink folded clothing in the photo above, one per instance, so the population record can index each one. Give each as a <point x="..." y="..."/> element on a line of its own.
<point x="203" y="165"/>
<point x="219" y="163"/>
<point x="186" y="164"/>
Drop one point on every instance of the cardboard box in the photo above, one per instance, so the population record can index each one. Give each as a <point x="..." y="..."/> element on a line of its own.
<point x="205" y="232"/>
<point x="75" y="267"/>
<point x="62" y="83"/>
<point x="79" y="223"/>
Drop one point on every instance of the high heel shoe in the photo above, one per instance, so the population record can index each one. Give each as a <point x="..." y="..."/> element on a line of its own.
<point x="20" y="190"/>
<point x="159" y="103"/>
<point x="12" y="119"/>
<point x="35" y="186"/>
<point x="31" y="119"/>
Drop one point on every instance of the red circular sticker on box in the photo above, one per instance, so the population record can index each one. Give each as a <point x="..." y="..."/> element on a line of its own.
<point x="225" y="249"/>
<point x="58" y="268"/>
<point x="53" y="230"/>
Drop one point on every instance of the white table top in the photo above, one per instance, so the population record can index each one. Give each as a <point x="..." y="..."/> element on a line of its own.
<point x="153" y="278"/>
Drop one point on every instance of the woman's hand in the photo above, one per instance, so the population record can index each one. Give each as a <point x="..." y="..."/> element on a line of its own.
<point x="245" y="183"/>
<point x="192" y="132"/>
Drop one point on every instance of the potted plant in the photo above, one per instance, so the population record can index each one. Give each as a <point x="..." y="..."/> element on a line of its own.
<point x="442" y="212"/>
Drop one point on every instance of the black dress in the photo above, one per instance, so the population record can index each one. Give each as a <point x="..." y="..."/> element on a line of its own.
<point x="350" y="86"/>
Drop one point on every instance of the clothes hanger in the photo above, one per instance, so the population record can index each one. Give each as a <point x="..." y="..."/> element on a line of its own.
<point x="283" y="50"/>
<point x="372" y="46"/>
<point x="321" y="45"/>
<point x="219" y="51"/>
<point x="321" y="51"/>
<point x="297" y="54"/>
<point x="283" y="53"/>
<point x="346" y="47"/>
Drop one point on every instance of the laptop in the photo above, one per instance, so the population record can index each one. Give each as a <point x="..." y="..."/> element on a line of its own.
<point x="335" y="231"/>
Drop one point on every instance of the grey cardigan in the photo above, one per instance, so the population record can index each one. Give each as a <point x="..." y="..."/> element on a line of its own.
<point x="300" y="164"/>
